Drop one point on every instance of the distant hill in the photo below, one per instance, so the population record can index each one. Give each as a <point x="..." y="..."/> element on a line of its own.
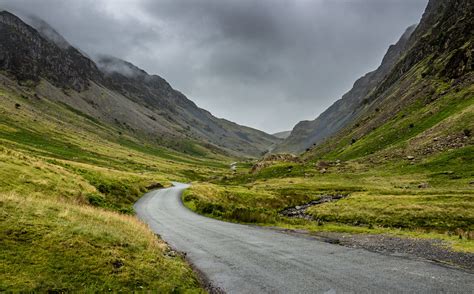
<point x="282" y="135"/>
<point x="116" y="92"/>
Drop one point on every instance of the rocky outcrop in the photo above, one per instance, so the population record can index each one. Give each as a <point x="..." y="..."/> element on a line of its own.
<point x="299" y="211"/>
<point x="28" y="56"/>
<point x="272" y="159"/>
<point x="422" y="97"/>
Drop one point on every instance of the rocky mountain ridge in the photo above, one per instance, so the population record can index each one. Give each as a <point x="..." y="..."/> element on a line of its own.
<point x="116" y="92"/>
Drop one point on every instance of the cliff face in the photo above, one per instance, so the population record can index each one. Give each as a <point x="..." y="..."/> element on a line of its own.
<point x="115" y="91"/>
<point x="28" y="56"/>
<point x="344" y="111"/>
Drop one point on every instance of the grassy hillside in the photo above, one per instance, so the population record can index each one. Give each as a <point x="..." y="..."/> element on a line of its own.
<point x="431" y="116"/>
<point x="50" y="245"/>
<point x="67" y="186"/>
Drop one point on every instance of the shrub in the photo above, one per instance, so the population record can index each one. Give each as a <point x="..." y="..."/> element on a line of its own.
<point x="251" y="215"/>
<point x="210" y="208"/>
<point x="96" y="200"/>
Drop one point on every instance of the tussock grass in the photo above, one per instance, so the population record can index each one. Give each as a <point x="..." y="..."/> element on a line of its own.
<point x="58" y="246"/>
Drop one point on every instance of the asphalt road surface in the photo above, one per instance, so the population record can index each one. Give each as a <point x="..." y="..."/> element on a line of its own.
<point x="247" y="259"/>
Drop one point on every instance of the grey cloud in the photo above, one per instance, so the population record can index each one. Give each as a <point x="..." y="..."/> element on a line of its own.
<point x="263" y="63"/>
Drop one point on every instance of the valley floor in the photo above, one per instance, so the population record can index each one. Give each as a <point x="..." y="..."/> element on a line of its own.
<point x="68" y="184"/>
<point x="432" y="198"/>
<point x="249" y="259"/>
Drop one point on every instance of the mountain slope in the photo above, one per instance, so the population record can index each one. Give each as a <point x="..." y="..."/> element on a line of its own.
<point x="429" y="62"/>
<point x="117" y="92"/>
<point x="67" y="179"/>
<point x="138" y="86"/>
<point x="425" y="103"/>
<point x="343" y="111"/>
<point x="282" y="135"/>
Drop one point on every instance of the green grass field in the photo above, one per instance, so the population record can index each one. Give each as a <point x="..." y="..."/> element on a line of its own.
<point x="424" y="200"/>
<point x="67" y="187"/>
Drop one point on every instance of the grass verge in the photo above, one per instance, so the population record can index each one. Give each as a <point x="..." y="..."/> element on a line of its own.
<point x="61" y="247"/>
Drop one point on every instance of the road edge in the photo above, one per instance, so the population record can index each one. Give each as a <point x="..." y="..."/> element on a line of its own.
<point x="202" y="278"/>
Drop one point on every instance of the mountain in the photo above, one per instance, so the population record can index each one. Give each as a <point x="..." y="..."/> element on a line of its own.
<point x="345" y="110"/>
<point x="116" y="92"/>
<point x="282" y="135"/>
<point x="423" y="105"/>
<point x="47" y="31"/>
<point x="441" y="44"/>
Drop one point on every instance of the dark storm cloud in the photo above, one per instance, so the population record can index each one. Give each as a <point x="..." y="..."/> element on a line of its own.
<point x="263" y="63"/>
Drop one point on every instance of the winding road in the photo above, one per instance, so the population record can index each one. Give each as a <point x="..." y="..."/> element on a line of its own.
<point x="247" y="259"/>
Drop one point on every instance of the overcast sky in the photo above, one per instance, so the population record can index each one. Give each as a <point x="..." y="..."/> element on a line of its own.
<point x="263" y="63"/>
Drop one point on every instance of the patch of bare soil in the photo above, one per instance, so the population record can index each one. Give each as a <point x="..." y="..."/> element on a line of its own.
<point x="427" y="249"/>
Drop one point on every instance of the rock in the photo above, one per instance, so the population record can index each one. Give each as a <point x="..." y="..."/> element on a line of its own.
<point x="423" y="185"/>
<point x="409" y="157"/>
<point x="155" y="186"/>
<point x="272" y="159"/>
<point x="323" y="171"/>
<point x="117" y="264"/>
<point x="299" y="211"/>
<point x="323" y="164"/>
